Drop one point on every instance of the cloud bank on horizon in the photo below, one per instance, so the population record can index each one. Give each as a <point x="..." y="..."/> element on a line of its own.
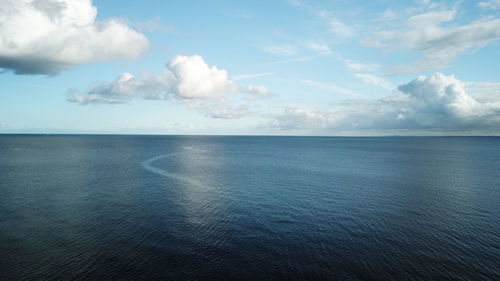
<point x="339" y="71"/>
<point x="437" y="102"/>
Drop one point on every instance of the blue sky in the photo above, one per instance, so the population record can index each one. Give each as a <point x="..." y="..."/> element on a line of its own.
<point x="250" y="67"/>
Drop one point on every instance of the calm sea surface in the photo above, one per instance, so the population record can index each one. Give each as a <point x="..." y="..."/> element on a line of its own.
<point x="249" y="208"/>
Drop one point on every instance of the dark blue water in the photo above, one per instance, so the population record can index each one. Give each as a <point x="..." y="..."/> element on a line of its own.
<point x="249" y="208"/>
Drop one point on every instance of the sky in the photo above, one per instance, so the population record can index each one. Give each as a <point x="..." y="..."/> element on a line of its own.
<point x="277" y="67"/>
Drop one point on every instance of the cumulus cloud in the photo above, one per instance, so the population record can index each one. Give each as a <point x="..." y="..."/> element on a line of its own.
<point x="186" y="78"/>
<point x="47" y="36"/>
<point x="438" y="44"/>
<point x="438" y="102"/>
<point x="195" y="79"/>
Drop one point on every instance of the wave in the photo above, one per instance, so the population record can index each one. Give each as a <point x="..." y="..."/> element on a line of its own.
<point x="195" y="149"/>
<point x="147" y="165"/>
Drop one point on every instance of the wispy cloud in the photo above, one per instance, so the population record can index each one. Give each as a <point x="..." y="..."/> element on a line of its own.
<point x="298" y="59"/>
<point x="329" y="87"/>
<point x="375" y="80"/>
<point x="153" y="24"/>
<point x="359" y="67"/>
<point x="320" y="48"/>
<point x="490" y="4"/>
<point x="439" y="45"/>
<point x="251" y="76"/>
<point x="281" y="50"/>
<point x="335" y="25"/>
<point x="387" y="15"/>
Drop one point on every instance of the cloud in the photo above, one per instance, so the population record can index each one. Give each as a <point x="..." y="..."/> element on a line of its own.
<point x="423" y="2"/>
<point x="304" y="119"/>
<point x="195" y="79"/>
<point x="484" y="88"/>
<point x="438" y="44"/>
<point x="437" y="102"/>
<point x="298" y="59"/>
<point x="359" y="67"/>
<point x="320" y="48"/>
<point x="490" y="4"/>
<point x="329" y="87"/>
<point x="153" y="24"/>
<point x="47" y="36"/>
<point x="387" y="15"/>
<point x="251" y="76"/>
<point x="336" y="26"/>
<point x="186" y="78"/>
<point x="281" y="50"/>
<point x="126" y="87"/>
<point x="229" y="112"/>
<point x="375" y="80"/>
<point x="365" y="72"/>
<point x="257" y="92"/>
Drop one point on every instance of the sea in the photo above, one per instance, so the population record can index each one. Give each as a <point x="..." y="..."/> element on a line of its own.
<point x="137" y="207"/>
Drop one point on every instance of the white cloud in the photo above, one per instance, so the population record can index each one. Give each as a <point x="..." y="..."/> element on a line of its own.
<point x="251" y="76"/>
<point x="387" y="15"/>
<point x="335" y="25"/>
<point x="320" y="48"/>
<point x="438" y="102"/>
<point x="490" y="4"/>
<point x="47" y="36"/>
<point x="195" y="79"/>
<point x="423" y="2"/>
<point x="365" y="72"/>
<point x="281" y="50"/>
<point x="359" y="67"/>
<point x="186" y="78"/>
<point x="257" y="92"/>
<point x="302" y="118"/>
<point x="126" y="87"/>
<point x="229" y="112"/>
<point x="484" y="88"/>
<point x="438" y="44"/>
<point x="375" y="80"/>
<point x="153" y="24"/>
<point x="298" y="59"/>
<point x="444" y="96"/>
<point x="329" y="87"/>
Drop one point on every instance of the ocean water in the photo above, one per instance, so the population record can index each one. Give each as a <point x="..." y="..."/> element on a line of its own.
<point x="249" y="208"/>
